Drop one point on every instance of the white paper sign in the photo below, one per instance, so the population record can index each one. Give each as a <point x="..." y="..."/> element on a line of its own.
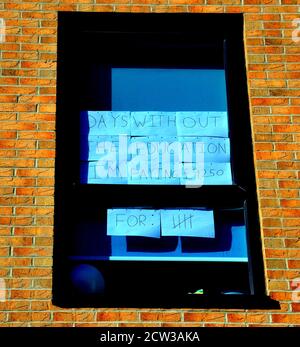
<point x="157" y="148"/>
<point x="190" y="222"/>
<point x="133" y="222"/>
<point x="157" y="223"/>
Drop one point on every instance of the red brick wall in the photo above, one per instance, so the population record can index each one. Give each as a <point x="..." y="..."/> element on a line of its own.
<point x="27" y="151"/>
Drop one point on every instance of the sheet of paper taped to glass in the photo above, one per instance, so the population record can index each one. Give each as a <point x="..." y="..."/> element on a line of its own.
<point x="169" y="148"/>
<point x="160" y="223"/>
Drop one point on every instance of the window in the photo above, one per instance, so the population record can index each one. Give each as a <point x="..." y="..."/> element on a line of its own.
<point x="155" y="187"/>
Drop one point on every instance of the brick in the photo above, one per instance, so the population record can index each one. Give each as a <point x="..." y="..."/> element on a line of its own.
<point x="276" y="264"/>
<point x="295" y="101"/>
<point x="274" y="137"/>
<point x="6" y="172"/>
<point x="43" y="262"/>
<point x="271" y="222"/>
<point x="5" y="231"/>
<point x="268" y="193"/>
<point x="292" y="243"/>
<point x="236" y="317"/>
<point x="29" y="211"/>
<point x="164" y="317"/>
<point x="31" y="272"/>
<point x="294" y="264"/>
<point x="282" y="274"/>
<point x="7" y="98"/>
<point x="42" y="283"/>
<point x="29" y="230"/>
<point x="46" y="126"/>
<point x="35" y="191"/>
<point x="132" y="8"/>
<point x="41" y="64"/>
<point x="286" y="318"/>
<point x="74" y="316"/>
<point x="6" y="211"/>
<point x="181" y="2"/>
<point x="4" y="251"/>
<point x="45" y="163"/>
<point x="8" y="134"/>
<point x="29" y="316"/>
<point x="296" y="307"/>
<point x="16" y="162"/>
<point x="289" y="184"/>
<point x="16" y="221"/>
<point x="36" y="135"/>
<point x="40" y="306"/>
<point x="273" y="243"/>
<point x="14" y="305"/>
<point x="41" y="100"/>
<point x="267" y="83"/>
<point x="97" y="324"/>
<point x="16" y="181"/>
<point x="269" y="203"/>
<point x="277" y="174"/>
<point x="17" y="144"/>
<point x="288" y="193"/>
<point x="117" y="316"/>
<point x="279" y="155"/>
<point x="291" y="222"/>
<point x="274" y="232"/>
<point x="32" y="251"/>
<point x="35" y="172"/>
<point x="277" y="285"/>
<point x="46" y="145"/>
<point x="15" y="241"/>
<point x="269" y="101"/>
<point x="17" y="90"/>
<point x="286" y="128"/>
<point x="47" y="108"/>
<point x="44" y="221"/>
<point x="43" y="241"/>
<point x="207" y="317"/>
<point x="45" y="182"/>
<point x="41" y="153"/>
<point x="290" y="203"/>
<point x="96" y="8"/>
<point x="20" y="73"/>
<point x="267" y="165"/>
<point x="6" y="153"/>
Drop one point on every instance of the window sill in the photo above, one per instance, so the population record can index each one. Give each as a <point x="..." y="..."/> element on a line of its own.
<point x="261" y="302"/>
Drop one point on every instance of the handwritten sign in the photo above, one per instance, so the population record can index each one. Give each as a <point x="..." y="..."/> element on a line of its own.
<point x="157" y="223"/>
<point x="153" y="123"/>
<point x="192" y="223"/>
<point x="169" y="148"/>
<point x="212" y="174"/>
<point x="202" y="124"/>
<point x="156" y="123"/>
<point x="133" y="222"/>
<point x="107" y="122"/>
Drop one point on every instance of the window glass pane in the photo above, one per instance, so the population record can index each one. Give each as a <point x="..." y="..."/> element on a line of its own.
<point x="139" y="89"/>
<point x="166" y="127"/>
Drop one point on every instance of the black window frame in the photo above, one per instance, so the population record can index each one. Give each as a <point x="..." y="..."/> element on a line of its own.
<point x="209" y="40"/>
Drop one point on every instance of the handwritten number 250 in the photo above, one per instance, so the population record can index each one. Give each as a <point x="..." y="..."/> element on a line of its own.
<point x="213" y="172"/>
